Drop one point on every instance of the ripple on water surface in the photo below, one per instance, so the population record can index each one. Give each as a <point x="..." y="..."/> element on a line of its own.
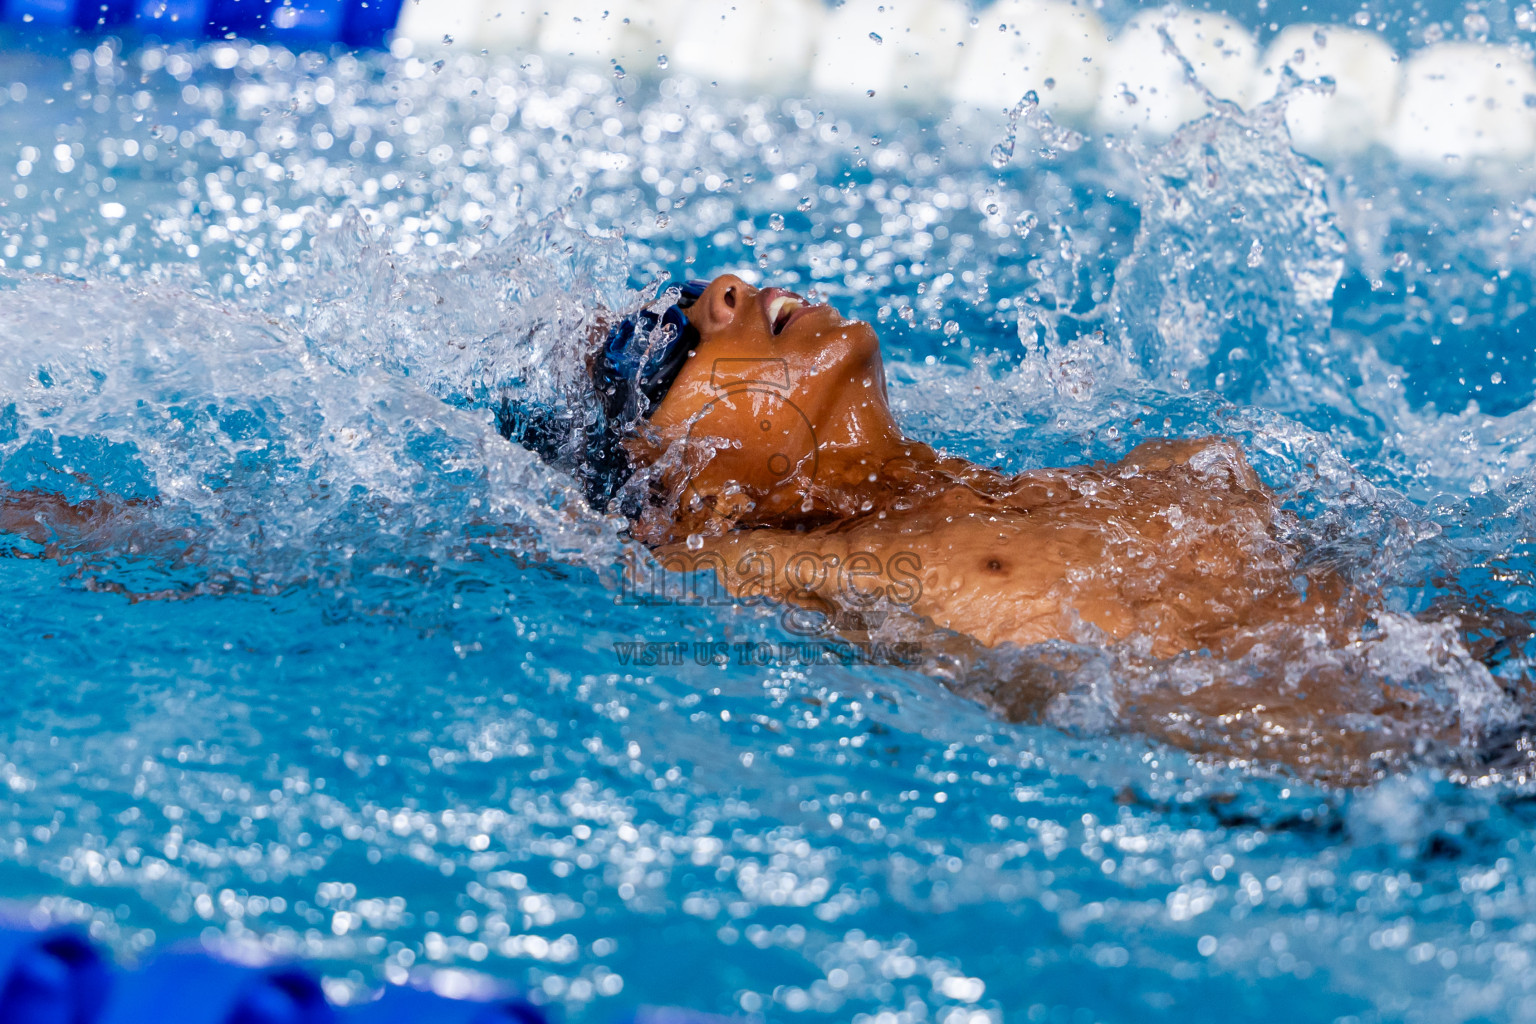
<point x="264" y="298"/>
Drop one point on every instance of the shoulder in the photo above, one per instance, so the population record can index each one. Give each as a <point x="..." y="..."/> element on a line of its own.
<point x="1218" y="459"/>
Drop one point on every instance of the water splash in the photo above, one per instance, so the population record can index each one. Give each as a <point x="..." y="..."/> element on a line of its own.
<point x="1054" y="139"/>
<point x="1194" y="306"/>
<point x="361" y="398"/>
<point x="315" y="274"/>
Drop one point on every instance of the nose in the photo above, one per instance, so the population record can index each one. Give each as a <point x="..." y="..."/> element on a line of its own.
<point x="726" y="298"/>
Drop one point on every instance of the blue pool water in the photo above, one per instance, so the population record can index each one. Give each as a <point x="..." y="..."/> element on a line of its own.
<point x="343" y="678"/>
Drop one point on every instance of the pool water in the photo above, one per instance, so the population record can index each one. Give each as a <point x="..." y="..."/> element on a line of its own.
<point x="343" y="677"/>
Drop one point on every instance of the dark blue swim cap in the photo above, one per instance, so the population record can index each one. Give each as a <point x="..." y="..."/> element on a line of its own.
<point x="644" y="353"/>
<point x="630" y="374"/>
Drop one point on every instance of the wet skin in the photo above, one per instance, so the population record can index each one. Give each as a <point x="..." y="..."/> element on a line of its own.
<point x="791" y="477"/>
<point x="775" y="461"/>
<point x="777" y="464"/>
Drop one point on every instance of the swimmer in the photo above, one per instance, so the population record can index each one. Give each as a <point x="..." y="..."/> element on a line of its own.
<point x="766" y="438"/>
<point x="755" y="439"/>
<point x="747" y="432"/>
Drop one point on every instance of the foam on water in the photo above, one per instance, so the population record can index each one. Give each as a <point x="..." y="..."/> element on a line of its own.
<point x="282" y="455"/>
<point x="272" y="299"/>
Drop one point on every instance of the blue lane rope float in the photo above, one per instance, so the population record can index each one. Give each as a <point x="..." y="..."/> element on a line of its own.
<point x="57" y="976"/>
<point x="51" y="977"/>
<point x="350" y="22"/>
<point x="189" y="988"/>
<point x="401" y="1005"/>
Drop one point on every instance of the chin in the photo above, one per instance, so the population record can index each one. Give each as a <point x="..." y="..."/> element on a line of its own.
<point x="863" y="343"/>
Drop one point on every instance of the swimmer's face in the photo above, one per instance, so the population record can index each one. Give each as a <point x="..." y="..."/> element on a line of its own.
<point x="775" y="384"/>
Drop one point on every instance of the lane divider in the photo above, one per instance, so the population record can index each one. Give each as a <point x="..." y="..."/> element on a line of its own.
<point x="1450" y="107"/>
<point x="299" y="22"/>
<point x="57" y="976"/>
<point x="1447" y="107"/>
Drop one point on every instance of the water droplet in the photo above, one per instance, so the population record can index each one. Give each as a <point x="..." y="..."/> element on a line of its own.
<point x="1399" y="261"/>
<point x="776" y="222"/>
<point x="663" y="220"/>
<point x="805" y="203"/>
<point x="695" y="542"/>
<point x="1024" y="223"/>
<point x="1255" y="254"/>
<point x="1054" y="139"/>
<point x="437" y="66"/>
<point x="661" y="61"/>
<point x="876" y="37"/>
<point x="447" y="39"/>
<point x="618" y="71"/>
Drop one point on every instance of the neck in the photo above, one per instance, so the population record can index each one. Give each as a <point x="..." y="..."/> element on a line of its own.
<point x="892" y="472"/>
<point x="864" y="466"/>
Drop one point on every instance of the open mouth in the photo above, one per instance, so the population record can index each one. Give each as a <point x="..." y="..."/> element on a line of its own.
<point x="782" y="309"/>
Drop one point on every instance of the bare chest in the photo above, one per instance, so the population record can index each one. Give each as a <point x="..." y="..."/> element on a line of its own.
<point x="1068" y="569"/>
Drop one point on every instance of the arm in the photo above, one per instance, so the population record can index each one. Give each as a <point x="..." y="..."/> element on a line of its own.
<point x="1204" y="455"/>
<point x="47" y="518"/>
